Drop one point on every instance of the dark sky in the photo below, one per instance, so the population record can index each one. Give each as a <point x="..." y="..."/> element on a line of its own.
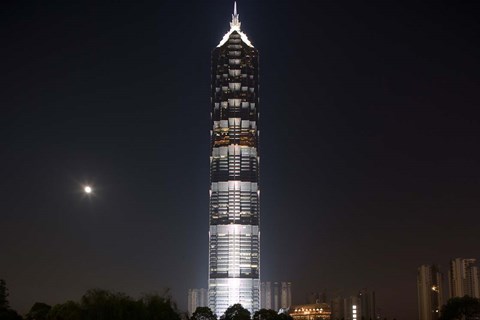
<point x="370" y="158"/>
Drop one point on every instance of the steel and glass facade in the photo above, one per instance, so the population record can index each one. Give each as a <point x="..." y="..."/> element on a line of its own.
<point x="234" y="235"/>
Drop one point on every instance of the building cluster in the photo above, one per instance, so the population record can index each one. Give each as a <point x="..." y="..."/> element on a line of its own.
<point x="275" y="295"/>
<point x="462" y="280"/>
<point x="355" y="307"/>
<point x="278" y="296"/>
<point x="197" y="298"/>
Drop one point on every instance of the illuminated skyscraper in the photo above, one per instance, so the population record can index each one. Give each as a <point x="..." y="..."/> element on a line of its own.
<point x="234" y="235"/>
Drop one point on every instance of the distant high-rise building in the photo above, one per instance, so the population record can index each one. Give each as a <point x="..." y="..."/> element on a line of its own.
<point x="351" y="308"/>
<point x="276" y="295"/>
<point x="337" y="308"/>
<point x="317" y="297"/>
<point x="197" y="298"/>
<point x="268" y="295"/>
<point x="367" y="304"/>
<point x="463" y="278"/>
<point x="263" y="294"/>
<point x="312" y="297"/>
<point x="234" y="234"/>
<point x="430" y="292"/>
<point x="286" y="295"/>
<point x="357" y="307"/>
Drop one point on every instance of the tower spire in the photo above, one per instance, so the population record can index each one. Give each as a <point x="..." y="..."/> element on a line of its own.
<point x="235" y="24"/>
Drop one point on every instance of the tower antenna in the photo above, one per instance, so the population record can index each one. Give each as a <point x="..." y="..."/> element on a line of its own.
<point x="235" y="24"/>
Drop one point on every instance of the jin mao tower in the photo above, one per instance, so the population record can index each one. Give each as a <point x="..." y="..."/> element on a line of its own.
<point x="234" y="235"/>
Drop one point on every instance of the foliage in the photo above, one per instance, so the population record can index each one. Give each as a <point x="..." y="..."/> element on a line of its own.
<point x="103" y="305"/>
<point x="67" y="311"/>
<point x="99" y="304"/>
<point x="284" y="316"/>
<point x="236" y="312"/>
<point x="160" y="307"/>
<point x="268" y="314"/>
<point x="3" y="295"/>
<point x="467" y="308"/>
<point x="9" y="314"/>
<point x="203" y="313"/>
<point x="38" y="311"/>
<point x="6" y="313"/>
<point x="265" y="314"/>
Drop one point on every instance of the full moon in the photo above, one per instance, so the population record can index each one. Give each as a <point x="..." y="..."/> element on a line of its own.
<point x="87" y="189"/>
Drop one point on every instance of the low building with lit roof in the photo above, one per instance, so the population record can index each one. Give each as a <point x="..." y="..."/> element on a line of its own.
<point x="315" y="311"/>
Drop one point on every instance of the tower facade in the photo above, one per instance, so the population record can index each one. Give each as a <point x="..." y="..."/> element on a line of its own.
<point x="430" y="292"/>
<point x="196" y="298"/>
<point x="367" y="304"/>
<point x="352" y="308"/>
<point x="275" y="295"/>
<point x="463" y="278"/>
<point x="234" y="235"/>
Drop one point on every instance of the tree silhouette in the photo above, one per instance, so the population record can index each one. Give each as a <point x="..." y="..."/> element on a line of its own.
<point x="69" y="310"/>
<point x="265" y="314"/>
<point x="236" y="312"/>
<point x="465" y="308"/>
<point x="3" y="295"/>
<point x="160" y="307"/>
<point x="5" y="312"/>
<point x="269" y="314"/>
<point x="203" y="313"/>
<point x="100" y="304"/>
<point x="284" y="316"/>
<point x="38" y="311"/>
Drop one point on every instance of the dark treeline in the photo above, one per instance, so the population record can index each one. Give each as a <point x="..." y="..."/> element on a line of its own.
<point x="106" y="305"/>
<point x="6" y="313"/>
<point x="98" y="304"/>
<point x="466" y="308"/>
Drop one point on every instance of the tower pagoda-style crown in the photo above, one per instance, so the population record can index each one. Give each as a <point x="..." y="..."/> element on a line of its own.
<point x="235" y="25"/>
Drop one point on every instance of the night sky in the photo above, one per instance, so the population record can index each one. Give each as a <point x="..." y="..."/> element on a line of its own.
<point x="370" y="131"/>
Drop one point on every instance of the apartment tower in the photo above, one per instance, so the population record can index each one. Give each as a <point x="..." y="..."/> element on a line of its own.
<point x="463" y="278"/>
<point x="276" y="295"/>
<point x="430" y="292"/>
<point x="196" y="298"/>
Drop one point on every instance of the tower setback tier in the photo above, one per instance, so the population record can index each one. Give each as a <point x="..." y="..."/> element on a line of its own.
<point x="234" y="235"/>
